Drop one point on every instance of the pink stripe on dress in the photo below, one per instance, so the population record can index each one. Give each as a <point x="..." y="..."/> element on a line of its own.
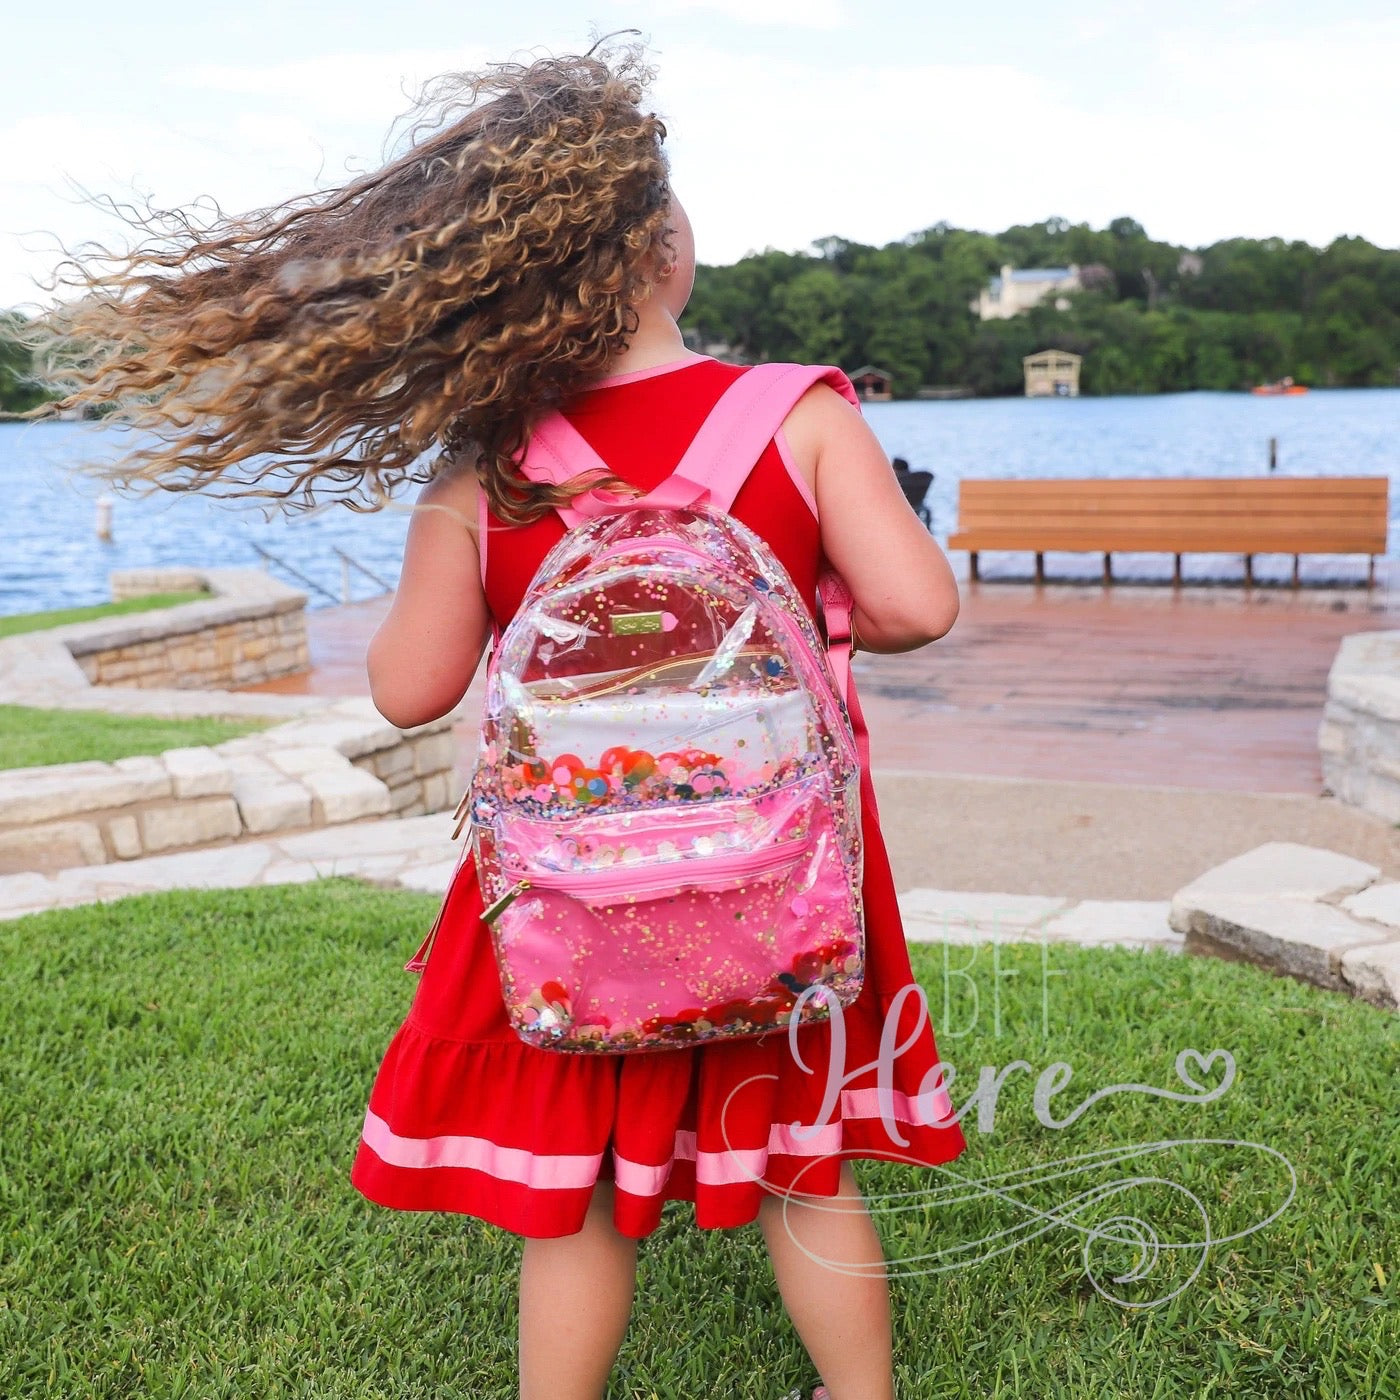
<point x="553" y="1172"/>
<point x="725" y="1167"/>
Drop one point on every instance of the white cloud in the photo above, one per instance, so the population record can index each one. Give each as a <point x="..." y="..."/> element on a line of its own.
<point x="802" y="14"/>
<point x="1253" y="137"/>
<point x="779" y="152"/>
<point x="249" y="136"/>
<point x="58" y="165"/>
<point x="1252" y="132"/>
<point x="336" y="87"/>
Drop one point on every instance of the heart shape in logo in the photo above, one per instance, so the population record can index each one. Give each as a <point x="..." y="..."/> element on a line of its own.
<point x="1202" y="1064"/>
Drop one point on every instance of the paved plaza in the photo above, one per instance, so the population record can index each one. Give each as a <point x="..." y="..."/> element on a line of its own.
<point x="1060" y="765"/>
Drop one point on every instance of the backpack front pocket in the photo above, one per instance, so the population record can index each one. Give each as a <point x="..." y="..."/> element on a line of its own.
<point x="606" y="887"/>
<point x="683" y="950"/>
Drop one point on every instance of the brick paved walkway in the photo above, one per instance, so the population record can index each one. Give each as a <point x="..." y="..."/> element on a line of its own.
<point x="1209" y="687"/>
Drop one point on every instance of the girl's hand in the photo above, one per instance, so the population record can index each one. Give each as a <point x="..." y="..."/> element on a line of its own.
<point x="423" y="655"/>
<point x="905" y="591"/>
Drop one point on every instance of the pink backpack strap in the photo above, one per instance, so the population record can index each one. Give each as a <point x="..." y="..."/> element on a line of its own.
<point x="558" y="452"/>
<point x="726" y="450"/>
<point x="483" y="542"/>
<point x="744" y="422"/>
<point x="719" y="459"/>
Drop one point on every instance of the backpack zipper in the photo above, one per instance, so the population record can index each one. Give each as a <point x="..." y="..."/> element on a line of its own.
<point x="672" y="875"/>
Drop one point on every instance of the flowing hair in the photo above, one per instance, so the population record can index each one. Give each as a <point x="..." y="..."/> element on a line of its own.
<point x="446" y="300"/>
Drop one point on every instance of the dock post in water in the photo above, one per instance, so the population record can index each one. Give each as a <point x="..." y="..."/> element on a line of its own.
<point x="1273" y="453"/>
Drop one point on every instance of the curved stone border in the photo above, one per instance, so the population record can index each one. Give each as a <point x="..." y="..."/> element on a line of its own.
<point x="959" y="917"/>
<point x="335" y="764"/>
<point x="1303" y="911"/>
<point x="416" y="854"/>
<point x="1359" y="737"/>
<point x="251" y="628"/>
<point x="326" y="764"/>
<point x="1310" y="913"/>
<point x="420" y="854"/>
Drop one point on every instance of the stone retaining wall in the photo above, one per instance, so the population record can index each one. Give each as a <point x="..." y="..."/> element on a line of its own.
<point x="1359" y="736"/>
<point x="1302" y="911"/>
<point x="322" y="763"/>
<point x="340" y="764"/>
<point x="252" y="629"/>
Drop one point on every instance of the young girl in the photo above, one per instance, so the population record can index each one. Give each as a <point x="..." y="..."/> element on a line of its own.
<point x="530" y="254"/>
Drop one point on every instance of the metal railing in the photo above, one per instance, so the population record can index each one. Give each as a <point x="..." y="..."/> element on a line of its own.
<point x="348" y="563"/>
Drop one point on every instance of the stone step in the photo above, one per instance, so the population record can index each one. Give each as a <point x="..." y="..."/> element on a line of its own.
<point x="1297" y="910"/>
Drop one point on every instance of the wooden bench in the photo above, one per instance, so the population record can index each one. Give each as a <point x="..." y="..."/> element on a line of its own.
<point x="1234" y="515"/>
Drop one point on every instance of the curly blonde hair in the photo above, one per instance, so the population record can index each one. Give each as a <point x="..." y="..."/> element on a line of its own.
<point x="446" y="300"/>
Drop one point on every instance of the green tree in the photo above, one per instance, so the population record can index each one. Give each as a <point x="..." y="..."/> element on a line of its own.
<point x="18" y="391"/>
<point x="811" y="312"/>
<point x="1258" y="309"/>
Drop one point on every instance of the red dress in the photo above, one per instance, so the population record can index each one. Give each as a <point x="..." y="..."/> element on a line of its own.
<point x="464" y="1116"/>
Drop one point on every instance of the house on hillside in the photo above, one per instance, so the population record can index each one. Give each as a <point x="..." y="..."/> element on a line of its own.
<point x="872" y="384"/>
<point x="1019" y="289"/>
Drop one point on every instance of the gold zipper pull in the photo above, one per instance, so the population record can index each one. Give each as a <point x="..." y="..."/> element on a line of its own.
<point x="462" y="813"/>
<point x="494" y="911"/>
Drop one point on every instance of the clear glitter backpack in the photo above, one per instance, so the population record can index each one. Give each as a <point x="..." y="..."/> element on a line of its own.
<point x="665" y="811"/>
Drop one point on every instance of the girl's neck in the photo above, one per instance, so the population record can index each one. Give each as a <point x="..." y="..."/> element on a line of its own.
<point x="656" y="341"/>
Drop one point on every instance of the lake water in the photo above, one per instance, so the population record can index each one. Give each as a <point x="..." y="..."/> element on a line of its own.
<point x="54" y="559"/>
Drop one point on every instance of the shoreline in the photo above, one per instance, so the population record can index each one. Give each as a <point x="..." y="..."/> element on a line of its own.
<point x="952" y="393"/>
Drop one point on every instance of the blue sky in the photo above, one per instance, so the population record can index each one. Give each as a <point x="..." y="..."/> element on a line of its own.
<point x="789" y="119"/>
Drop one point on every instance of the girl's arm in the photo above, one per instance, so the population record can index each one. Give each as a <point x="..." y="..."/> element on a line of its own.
<point x="905" y="591"/>
<point x="423" y="655"/>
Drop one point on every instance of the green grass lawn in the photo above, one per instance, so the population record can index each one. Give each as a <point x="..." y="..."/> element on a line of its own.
<point x="31" y="737"/>
<point x="13" y="623"/>
<point x="184" y="1081"/>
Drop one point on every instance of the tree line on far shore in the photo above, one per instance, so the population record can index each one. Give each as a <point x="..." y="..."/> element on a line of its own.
<point x="17" y="393"/>
<point x="1154" y="317"/>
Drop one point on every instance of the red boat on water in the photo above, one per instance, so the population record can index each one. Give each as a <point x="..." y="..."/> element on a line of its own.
<point x="1284" y="386"/>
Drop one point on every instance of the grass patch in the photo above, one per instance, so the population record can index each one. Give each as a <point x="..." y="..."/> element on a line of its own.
<point x="31" y="737"/>
<point x="184" y="1081"/>
<point x="13" y="623"/>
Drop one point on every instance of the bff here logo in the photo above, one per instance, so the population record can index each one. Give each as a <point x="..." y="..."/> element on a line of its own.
<point x="1145" y="1215"/>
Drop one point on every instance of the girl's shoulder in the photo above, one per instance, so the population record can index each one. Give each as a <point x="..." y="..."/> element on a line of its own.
<point x="456" y="489"/>
<point x="823" y="423"/>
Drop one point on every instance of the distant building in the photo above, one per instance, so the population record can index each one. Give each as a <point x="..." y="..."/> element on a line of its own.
<point x="1052" y="374"/>
<point x="1190" y="265"/>
<point x="715" y="349"/>
<point x="872" y="384"/>
<point x="1097" y="277"/>
<point x="1019" y="289"/>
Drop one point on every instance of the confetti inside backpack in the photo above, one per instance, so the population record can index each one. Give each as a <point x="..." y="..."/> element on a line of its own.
<point x="666" y="812"/>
